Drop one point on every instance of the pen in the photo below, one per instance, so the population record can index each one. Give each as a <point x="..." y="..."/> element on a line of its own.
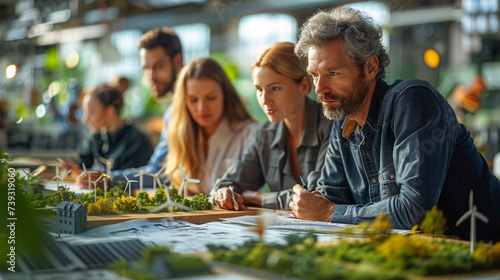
<point x="304" y="184"/>
<point x="235" y="203"/>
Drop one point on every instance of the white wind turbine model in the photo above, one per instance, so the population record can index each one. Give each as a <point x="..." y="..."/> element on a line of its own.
<point x="33" y="174"/>
<point x="169" y="203"/>
<point x="128" y="185"/>
<point x="473" y="214"/>
<point x="156" y="178"/>
<point x="103" y="176"/>
<point x="88" y="172"/>
<point x="185" y="181"/>
<point x="58" y="177"/>
<point x="140" y="174"/>
<point x="95" y="188"/>
<point x="108" y="163"/>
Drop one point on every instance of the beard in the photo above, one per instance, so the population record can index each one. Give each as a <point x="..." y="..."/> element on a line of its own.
<point x="168" y="86"/>
<point x="350" y="104"/>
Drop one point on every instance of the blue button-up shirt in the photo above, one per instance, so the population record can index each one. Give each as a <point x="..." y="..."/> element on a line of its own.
<point x="410" y="155"/>
<point x="155" y="163"/>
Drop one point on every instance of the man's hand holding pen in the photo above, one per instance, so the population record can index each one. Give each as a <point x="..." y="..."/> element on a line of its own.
<point x="313" y="205"/>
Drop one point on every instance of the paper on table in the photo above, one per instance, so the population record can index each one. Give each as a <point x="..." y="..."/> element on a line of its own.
<point x="288" y="221"/>
<point x="185" y="237"/>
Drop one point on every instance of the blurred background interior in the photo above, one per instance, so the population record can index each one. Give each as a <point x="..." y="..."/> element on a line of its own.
<point x="52" y="50"/>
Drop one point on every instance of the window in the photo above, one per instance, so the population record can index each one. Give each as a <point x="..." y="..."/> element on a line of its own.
<point x="195" y="40"/>
<point x="380" y="14"/>
<point x="257" y="32"/>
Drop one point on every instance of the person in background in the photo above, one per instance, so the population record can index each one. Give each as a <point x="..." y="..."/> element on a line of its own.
<point x="120" y="83"/>
<point x="291" y="144"/>
<point x="112" y="137"/>
<point x="160" y="53"/>
<point x="394" y="149"/>
<point x="209" y="127"/>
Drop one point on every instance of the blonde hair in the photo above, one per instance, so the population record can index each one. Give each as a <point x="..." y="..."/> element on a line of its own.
<point x="183" y="130"/>
<point x="281" y="58"/>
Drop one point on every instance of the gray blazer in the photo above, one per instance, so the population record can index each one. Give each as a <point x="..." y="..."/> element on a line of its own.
<point x="265" y="160"/>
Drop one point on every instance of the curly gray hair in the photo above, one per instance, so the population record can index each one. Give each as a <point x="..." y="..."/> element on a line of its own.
<point x="362" y="38"/>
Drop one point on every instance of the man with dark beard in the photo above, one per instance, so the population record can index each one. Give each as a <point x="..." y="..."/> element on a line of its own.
<point x="160" y="53"/>
<point x="395" y="149"/>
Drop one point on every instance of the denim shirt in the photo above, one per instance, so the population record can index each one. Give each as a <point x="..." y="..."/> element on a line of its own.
<point x="265" y="160"/>
<point x="410" y="155"/>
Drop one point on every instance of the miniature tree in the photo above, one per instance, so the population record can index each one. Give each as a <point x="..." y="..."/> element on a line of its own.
<point x="434" y="222"/>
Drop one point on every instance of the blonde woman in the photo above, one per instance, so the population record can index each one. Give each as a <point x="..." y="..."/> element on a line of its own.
<point x="209" y="128"/>
<point x="291" y="144"/>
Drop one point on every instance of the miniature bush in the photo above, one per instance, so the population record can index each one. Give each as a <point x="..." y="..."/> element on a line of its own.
<point x="142" y="199"/>
<point x="116" y="192"/>
<point x="62" y="194"/>
<point x="434" y="222"/>
<point x="200" y="202"/>
<point x="93" y="209"/>
<point x="489" y="254"/>
<point x="124" y="204"/>
<point x="105" y="205"/>
<point x="160" y="196"/>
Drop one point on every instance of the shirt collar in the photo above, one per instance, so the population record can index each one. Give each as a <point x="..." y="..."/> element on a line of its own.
<point x="349" y="125"/>
<point x="122" y="132"/>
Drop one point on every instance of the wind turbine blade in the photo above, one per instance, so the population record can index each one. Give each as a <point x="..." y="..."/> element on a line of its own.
<point x="192" y="180"/>
<point x="134" y="181"/>
<point x="81" y="174"/>
<point x="158" y="181"/>
<point x="125" y="176"/>
<point x="481" y="217"/>
<point x="25" y="172"/>
<point x="182" y="172"/>
<point x="471" y="199"/>
<point x="66" y="173"/>
<point x="182" y="187"/>
<point x="160" y="171"/>
<point x="39" y="170"/>
<point x="464" y="217"/>
<point x="84" y="167"/>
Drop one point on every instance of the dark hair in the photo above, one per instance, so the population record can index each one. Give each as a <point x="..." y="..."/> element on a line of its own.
<point x="161" y="37"/>
<point x="109" y="96"/>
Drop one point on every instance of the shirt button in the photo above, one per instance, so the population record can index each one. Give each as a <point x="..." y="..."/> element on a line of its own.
<point x="392" y="177"/>
<point x="374" y="181"/>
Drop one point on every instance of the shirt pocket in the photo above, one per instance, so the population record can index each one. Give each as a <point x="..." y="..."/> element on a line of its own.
<point x="387" y="182"/>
